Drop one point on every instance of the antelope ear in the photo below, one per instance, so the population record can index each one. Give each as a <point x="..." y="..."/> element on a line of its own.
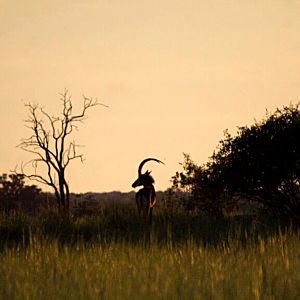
<point x="147" y="172"/>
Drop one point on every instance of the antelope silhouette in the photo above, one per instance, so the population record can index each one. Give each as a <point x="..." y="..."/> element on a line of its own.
<point x="146" y="196"/>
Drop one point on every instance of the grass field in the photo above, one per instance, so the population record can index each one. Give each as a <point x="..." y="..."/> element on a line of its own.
<point x="117" y="257"/>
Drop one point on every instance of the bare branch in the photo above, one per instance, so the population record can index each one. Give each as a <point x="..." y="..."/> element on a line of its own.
<point x="48" y="143"/>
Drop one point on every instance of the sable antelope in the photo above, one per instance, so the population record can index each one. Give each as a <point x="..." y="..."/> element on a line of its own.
<point x="145" y="197"/>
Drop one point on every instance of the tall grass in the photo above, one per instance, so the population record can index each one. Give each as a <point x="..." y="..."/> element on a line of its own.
<point x="117" y="257"/>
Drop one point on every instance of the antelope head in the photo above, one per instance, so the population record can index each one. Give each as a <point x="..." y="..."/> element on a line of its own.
<point x="146" y="178"/>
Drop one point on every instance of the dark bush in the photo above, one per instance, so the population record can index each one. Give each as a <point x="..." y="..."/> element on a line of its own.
<point x="260" y="164"/>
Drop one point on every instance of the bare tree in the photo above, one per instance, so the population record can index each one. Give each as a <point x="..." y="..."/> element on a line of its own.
<point x="50" y="145"/>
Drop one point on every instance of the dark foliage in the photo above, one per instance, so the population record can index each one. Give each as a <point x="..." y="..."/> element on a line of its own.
<point x="15" y="195"/>
<point x="261" y="164"/>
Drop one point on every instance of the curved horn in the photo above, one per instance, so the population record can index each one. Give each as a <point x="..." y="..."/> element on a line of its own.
<point x="144" y="161"/>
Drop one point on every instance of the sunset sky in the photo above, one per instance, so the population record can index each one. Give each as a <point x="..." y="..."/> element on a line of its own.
<point x="174" y="74"/>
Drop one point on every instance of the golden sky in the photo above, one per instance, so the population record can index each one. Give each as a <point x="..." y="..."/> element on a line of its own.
<point x="174" y="73"/>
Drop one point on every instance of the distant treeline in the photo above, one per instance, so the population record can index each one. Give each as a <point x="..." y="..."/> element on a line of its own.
<point x="17" y="196"/>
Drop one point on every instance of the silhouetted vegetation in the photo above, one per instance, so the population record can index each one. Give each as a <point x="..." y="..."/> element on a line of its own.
<point x="120" y="223"/>
<point x="16" y="196"/>
<point x="51" y="148"/>
<point x="261" y="164"/>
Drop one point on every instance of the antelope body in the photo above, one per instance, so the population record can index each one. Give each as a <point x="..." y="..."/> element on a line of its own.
<point x="146" y="196"/>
